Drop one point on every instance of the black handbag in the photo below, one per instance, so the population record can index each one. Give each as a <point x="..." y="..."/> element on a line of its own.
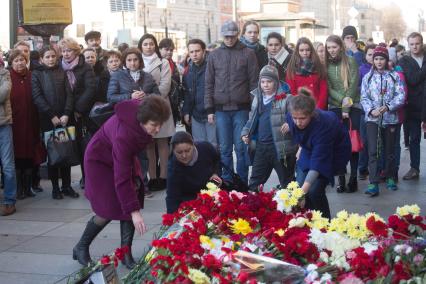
<point x="62" y="152"/>
<point x="236" y="183"/>
<point x="101" y="112"/>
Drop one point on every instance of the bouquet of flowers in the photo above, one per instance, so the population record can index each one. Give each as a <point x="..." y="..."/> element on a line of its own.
<point x="233" y="237"/>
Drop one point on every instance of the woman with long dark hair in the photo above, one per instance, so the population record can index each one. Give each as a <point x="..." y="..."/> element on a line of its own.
<point x="305" y="70"/>
<point x="160" y="70"/>
<point x="278" y="55"/>
<point x="343" y="98"/>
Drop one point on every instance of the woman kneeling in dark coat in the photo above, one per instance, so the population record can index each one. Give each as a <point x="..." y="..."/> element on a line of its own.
<point x="191" y="167"/>
<point x="113" y="184"/>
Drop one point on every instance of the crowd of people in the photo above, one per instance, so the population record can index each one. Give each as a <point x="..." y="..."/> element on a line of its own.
<point x="305" y="111"/>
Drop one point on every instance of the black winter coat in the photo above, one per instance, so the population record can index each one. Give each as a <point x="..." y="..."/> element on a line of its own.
<point x="85" y="87"/>
<point x="51" y="94"/>
<point x="415" y="78"/>
<point x="262" y="56"/>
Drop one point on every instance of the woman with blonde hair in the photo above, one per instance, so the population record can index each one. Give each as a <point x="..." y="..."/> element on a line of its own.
<point x="343" y="98"/>
<point x="81" y="78"/>
<point x="320" y="49"/>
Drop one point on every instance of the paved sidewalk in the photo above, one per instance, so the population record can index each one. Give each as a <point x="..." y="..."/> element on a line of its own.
<point x="36" y="243"/>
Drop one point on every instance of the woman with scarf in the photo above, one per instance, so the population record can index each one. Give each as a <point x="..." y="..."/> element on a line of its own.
<point x="250" y="38"/>
<point x="83" y="85"/>
<point x="25" y="128"/>
<point x="278" y="55"/>
<point x="159" y="69"/>
<point x="343" y="98"/>
<point x="305" y="70"/>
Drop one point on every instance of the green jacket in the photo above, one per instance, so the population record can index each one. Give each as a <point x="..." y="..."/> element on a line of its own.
<point x="336" y="91"/>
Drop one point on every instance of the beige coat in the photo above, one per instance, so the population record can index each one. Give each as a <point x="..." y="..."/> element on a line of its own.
<point x="160" y="71"/>
<point x="5" y="106"/>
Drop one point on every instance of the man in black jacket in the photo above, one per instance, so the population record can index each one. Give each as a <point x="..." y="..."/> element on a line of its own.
<point x="414" y="67"/>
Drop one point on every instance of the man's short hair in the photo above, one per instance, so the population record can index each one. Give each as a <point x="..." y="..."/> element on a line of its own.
<point x="111" y="53"/>
<point x="197" y="41"/>
<point x="414" y="35"/>
<point x="92" y="34"/>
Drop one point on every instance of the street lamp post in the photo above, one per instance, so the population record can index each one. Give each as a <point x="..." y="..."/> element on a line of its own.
<point x="166" y="28"/>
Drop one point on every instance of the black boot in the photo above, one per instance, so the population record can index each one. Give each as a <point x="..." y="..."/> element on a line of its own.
<point x="19" y="185"/>
<point x="341" y="187"/>
<point x="69" y="191"/>
<point x="81" y="250"/>
<point x="27" y="183"/>
<point x="127" y="230"/>
<point x="352" y="184"/>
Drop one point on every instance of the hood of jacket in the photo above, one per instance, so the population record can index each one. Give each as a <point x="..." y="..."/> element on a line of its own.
<point x="126" y="113"/>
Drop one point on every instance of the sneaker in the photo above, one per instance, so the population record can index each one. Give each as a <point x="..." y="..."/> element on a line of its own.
<point x="8" y="209"/>
<point x="372" y="190"/>
<point x="391" y="184"/>
<point x="148" y="194"/>
<point x="411" y="174"/>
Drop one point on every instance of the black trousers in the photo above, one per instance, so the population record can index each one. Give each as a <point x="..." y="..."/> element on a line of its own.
<point x="265" y="160"/>
<point x="374" y="137"/>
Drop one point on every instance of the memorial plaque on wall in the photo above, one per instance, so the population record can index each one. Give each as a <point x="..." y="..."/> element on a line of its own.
<point x="37" y="12"/>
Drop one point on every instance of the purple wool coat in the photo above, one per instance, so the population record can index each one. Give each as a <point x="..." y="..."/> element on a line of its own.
<point x="111" y="164"/>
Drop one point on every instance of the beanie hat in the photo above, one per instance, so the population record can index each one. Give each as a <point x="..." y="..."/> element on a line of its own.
<point x="381" y="51"/>
<point x="269" y="72"/>
<point x="350" y="30"/>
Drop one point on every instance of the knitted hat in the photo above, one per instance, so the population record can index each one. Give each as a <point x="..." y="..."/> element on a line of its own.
<point x="229" y="28"/>
<point x="381" y="51"/>
<point x="350" y="30"/>
<point x="269" y="72"/>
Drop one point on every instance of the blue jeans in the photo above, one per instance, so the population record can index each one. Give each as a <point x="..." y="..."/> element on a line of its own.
<point x="204" y="131"/>
<point x="8" y="164"/>
<point x="229" y="125"/>
<point x="414" y="130"/>
<point x="315" y="198"/>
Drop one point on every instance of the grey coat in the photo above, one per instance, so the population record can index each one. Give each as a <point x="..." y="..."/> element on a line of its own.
<point x="5" y="106"/>
<point x="283" y="142"/>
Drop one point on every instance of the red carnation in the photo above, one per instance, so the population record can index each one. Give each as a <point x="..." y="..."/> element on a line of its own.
<point x="105" y="260"/>
<point x="242" y="277"/>
<point x="121" y="252"/>
<point x="377" y="227"/>
<point x="211" y="262"/>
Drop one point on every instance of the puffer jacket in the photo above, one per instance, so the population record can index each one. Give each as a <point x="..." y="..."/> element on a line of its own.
<point x="5" y="107"/>
<point x="231" y="73"/>
<point x="382" y="89"/>
<point x="51" y="94"/>
<point x="283" y="142"/>
<point x="121" y="86"/>
<point x="336" y="90"/>
<point x="194" y="86"/>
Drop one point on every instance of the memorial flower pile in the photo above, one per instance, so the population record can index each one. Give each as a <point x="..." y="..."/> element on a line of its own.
<point x="233" y="237"/>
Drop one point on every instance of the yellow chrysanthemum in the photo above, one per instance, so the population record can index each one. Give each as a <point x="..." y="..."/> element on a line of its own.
<point x="205" y="240"/>
<point x="198" y="277"/>
<point x="342" y="214"/>
<point x="298" y="193"/>
<point x="211" y="186"/>
<point x="240" y="226"/>
<point x="293" y="185"/>
<point x="280" y="232"/>
<point x="293" y="201"/>
<point x="408" y="209"/>
<point x="317" y="221"/>
<point x="225" y="239"/>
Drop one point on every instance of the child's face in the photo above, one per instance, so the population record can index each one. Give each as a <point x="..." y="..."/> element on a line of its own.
<point x="267" y="86"/>
<point x="113" y="63"/>
<point x="379" y="62"/>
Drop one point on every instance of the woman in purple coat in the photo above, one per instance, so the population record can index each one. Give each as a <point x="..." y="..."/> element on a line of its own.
<point x="113" y="184"/>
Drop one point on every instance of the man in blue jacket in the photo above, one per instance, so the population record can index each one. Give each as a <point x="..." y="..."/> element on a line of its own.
<point x="193" y="106"/>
